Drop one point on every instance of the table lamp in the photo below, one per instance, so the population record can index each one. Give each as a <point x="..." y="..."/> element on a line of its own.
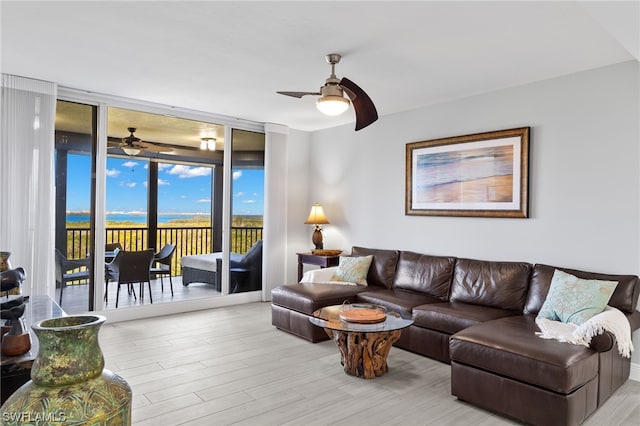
<point x="317" y="218"/>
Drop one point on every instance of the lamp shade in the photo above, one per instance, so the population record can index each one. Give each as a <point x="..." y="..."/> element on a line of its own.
<point x="316" y="216"/>
<point x="332" y="105"/>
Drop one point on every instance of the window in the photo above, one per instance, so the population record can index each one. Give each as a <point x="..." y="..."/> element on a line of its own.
<point x="166" y="190"/>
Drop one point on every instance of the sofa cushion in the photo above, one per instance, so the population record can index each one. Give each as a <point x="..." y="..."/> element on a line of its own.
<point x="625" y="296"/>
<point x="395" y="300"/>
<point x="353" y="270"/>
<point x="509" y="347"/>
<point x="309" y="297"/>
<point x="574" y="300"/>
<point x="498" y="284"/>
<point x="426" y="274"/>
<point x="451" y="317"/>
<point x="383" y="266"/>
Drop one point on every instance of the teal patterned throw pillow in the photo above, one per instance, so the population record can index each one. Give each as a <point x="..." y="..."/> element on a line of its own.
<point x="572" y="299"/>
<point x="353" y="269"/>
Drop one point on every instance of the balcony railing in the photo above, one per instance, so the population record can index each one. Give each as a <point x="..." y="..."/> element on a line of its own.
<point x="188" y="240"/>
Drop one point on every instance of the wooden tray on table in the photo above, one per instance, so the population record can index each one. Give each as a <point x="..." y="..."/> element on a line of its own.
<point x="363" y="314"/>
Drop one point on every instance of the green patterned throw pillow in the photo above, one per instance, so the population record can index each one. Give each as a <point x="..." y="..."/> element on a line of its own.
<point x="575" y="300"/>
<point x="353" y="269"/>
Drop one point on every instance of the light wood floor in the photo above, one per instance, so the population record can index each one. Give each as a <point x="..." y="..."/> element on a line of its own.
<point x="230" y="366"/>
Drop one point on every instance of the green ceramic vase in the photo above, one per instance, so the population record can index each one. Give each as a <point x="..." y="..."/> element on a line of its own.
<point x="69" y="384"/>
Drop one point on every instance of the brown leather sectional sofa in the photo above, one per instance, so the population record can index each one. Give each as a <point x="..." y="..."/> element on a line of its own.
<point x="479" y="316"/>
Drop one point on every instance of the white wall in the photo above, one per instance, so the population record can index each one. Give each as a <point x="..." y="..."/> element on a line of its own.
<point x="584" y="180"/>
<point x="298" y="201"/>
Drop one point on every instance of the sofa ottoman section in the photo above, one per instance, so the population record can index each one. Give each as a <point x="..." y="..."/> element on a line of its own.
<point x="297" y="324"/>
<point x="525" y="403"/>
<point x="292" y="305"/>
<point x="506" y="350"/>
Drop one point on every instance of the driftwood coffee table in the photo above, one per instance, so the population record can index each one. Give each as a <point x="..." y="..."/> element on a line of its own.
<point x="363" y="346"/>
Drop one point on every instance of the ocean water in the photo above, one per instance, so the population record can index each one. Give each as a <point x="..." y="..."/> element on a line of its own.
<point x="135" y="218"/>
<point x="461" y="166"/>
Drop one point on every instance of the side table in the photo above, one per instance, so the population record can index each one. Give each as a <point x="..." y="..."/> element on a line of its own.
<point x="314" y="259"/>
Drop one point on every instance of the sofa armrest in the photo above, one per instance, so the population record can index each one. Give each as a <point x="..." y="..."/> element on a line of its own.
<point x="603" y="342"/>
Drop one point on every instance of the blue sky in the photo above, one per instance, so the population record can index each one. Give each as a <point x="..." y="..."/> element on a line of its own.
<point x="181" y="189"/>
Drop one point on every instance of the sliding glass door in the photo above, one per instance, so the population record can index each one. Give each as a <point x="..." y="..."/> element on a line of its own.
<point x="247" y="211"/>
<point x="163" y="184"/>
<point x="75" y="144"/>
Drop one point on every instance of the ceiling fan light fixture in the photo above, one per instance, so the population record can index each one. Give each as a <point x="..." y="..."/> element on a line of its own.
<point x="208" y="144"/>
<point x="332" y="105"/>
<point x="131" y="151"/>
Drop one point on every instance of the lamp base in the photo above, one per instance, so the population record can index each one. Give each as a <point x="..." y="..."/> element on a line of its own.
<point x="317" y="238"/>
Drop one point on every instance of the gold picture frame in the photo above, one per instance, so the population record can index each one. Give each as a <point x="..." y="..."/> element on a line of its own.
<point x="478" y="175"/>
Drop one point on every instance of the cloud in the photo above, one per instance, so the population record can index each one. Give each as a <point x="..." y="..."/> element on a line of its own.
<point x="184" y="197"/>
<point x="160" y="183"/>
<point x="237" y="174"/>
<point x="204" y="200"/>
<point x="131" y="184"/>
<point x="130" y="164"/>
<point x="249" y="202"/>
<point x="113" y="173"/>
<point x="240" y="194"/>
<point x="184" y="172"/>
<point x="162" y="166"/>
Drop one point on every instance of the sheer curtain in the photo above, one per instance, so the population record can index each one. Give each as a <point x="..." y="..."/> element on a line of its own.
<point x="27" y="111"/>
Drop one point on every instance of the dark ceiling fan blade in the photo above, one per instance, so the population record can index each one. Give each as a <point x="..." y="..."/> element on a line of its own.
<point x="298" y="94"/>
<point x="363" y="105"/>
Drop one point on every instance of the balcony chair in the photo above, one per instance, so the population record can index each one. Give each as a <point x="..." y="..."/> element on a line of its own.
<point x="109" y="249"/>
<point x="129" y="267"/>
<point x="112" y="246"/>
<point x="64" y="265"/>
<point x="162" y="261"/>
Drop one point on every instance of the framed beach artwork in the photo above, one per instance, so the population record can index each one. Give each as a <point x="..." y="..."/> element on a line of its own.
<point x="484" y="174"/>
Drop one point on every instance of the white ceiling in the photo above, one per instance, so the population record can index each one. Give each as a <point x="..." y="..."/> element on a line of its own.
<point x="230" y="58"/>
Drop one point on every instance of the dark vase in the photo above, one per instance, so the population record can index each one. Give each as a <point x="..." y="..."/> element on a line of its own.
<point x="69" y="384"/>
<point x="4" y="261"/>
<point x="5" y="265"/>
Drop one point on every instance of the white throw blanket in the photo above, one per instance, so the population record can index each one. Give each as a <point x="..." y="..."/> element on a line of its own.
<point x="611" y="320"/>
<point x="322" y="276"/>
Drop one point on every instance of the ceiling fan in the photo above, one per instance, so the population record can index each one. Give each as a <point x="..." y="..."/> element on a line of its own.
<point x="132" y="145"/>
<point x="332" y="101"/>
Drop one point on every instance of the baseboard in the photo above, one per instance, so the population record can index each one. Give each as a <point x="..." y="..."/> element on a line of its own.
<point x="635" y="372"/>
